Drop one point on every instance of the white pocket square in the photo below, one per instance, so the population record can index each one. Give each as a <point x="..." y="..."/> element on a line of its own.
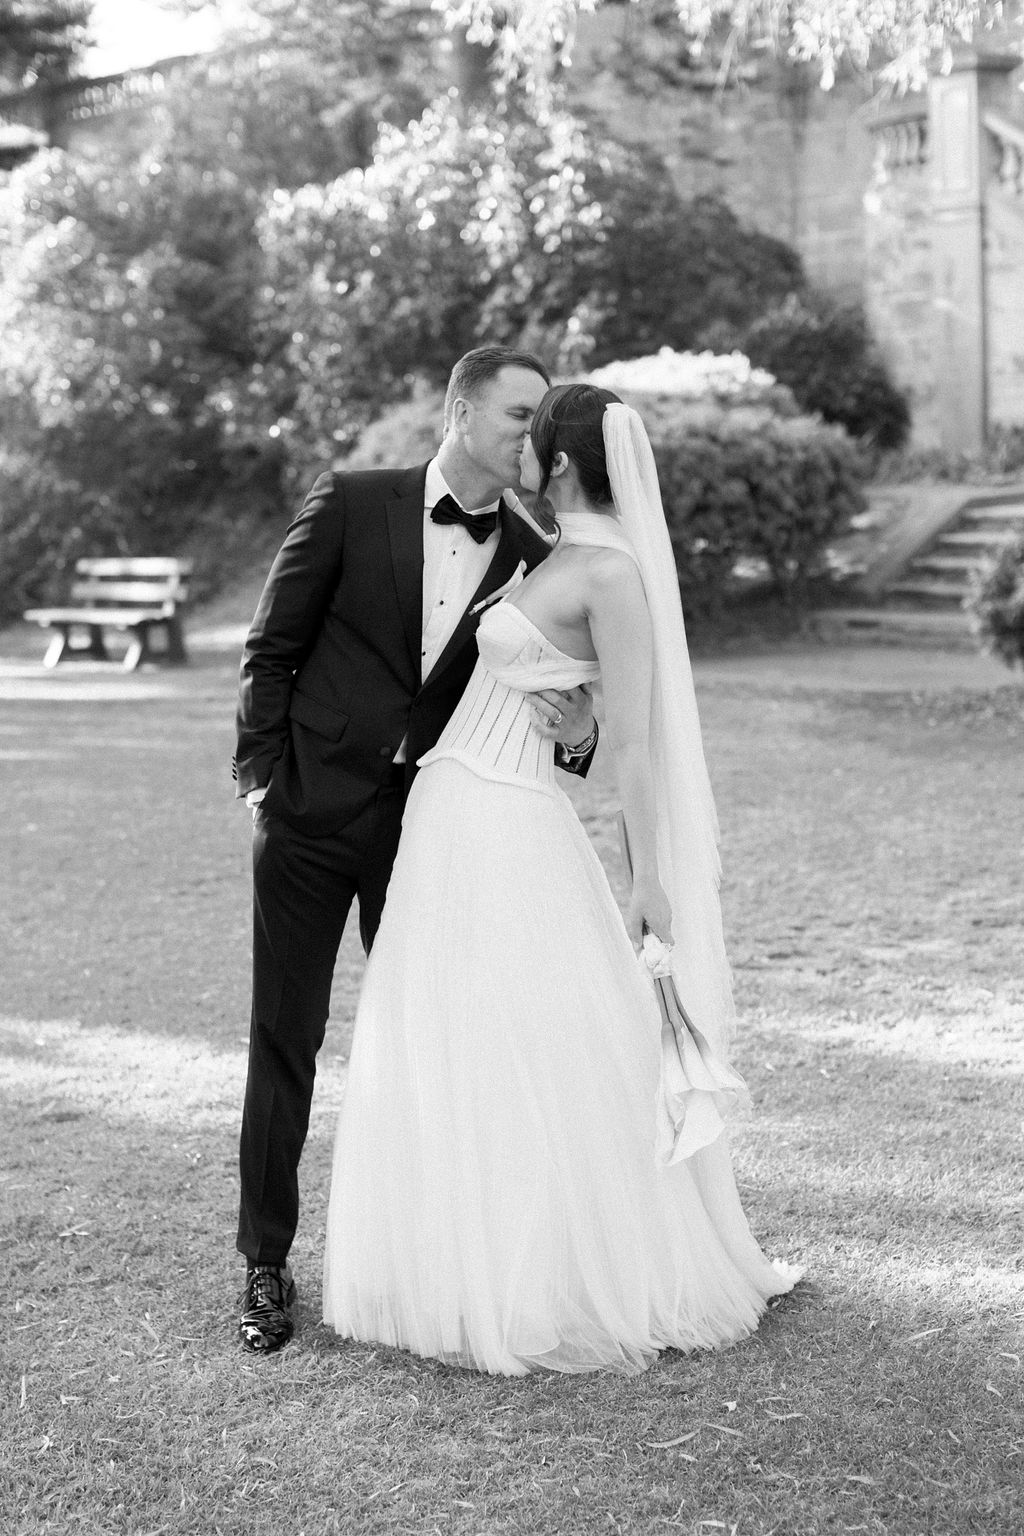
<point x="515" y="580"/>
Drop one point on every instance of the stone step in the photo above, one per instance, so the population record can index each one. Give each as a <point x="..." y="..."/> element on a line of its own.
<point x="932" y="593"/>
<point x="898" y="626"/>
<point x="998" y="514"/>
<point x="984" y="538"/>
<point x="964" y="565"/>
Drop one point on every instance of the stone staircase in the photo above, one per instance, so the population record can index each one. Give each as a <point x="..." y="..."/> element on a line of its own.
<point x="919" y="599"/>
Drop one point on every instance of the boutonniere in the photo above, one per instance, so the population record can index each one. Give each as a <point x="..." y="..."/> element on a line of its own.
<point x="518" y="575"/>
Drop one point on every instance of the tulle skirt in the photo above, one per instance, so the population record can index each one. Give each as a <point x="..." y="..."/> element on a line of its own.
<point x="495" y="1201"/>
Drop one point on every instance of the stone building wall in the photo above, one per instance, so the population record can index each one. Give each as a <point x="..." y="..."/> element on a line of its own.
<point x="789" y="158"/>
<point x="899" y="278"/>
<point x="1004" y="263"/>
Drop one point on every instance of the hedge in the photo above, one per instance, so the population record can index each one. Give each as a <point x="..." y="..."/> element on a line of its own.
<point x="756" y="488"/>
<point x="737" y="484"/>
<point x="996" y="606"/>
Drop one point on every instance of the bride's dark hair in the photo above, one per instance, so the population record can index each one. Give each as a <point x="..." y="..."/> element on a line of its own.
<point x="569" y="420"/>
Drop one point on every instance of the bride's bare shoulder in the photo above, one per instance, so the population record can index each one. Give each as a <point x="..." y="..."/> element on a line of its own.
<point x="609" y="586"/>
<point x="611" y="568"/>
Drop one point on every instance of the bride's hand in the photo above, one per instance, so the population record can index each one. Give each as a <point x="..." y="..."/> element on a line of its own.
<point x="649" y="907"/>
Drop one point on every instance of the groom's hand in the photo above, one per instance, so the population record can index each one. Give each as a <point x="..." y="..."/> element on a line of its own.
<point x="565" y="715"/>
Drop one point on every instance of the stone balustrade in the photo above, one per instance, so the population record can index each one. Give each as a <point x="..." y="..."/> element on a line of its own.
<point x="901" y="143"/>
<point x="1008" y="141"/>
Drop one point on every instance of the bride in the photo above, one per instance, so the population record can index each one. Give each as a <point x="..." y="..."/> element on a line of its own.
<point x="520" y="1182"/>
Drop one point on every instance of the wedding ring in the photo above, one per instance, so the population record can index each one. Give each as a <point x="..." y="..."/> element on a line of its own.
<point x="557" y="718"/>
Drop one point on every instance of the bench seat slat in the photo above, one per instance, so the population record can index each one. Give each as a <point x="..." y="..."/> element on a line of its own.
<point x="123" y="592"/>
<point x="116" y="617"/>
<point x="140" y="565"/>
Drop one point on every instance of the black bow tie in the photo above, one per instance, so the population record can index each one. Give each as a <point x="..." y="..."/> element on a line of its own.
<point x="480" y="524"/>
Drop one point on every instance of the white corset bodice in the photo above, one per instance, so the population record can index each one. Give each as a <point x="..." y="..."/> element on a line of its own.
<point x="492" y="729"/>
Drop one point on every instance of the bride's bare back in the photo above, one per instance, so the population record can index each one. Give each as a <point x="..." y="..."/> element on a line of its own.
<point x="571" y="588"/>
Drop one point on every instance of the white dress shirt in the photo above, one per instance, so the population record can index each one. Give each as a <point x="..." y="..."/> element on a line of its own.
<point x="454" y="565"/>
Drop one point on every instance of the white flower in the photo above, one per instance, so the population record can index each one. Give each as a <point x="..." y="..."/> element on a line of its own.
<point x="656" y="955"/>
<point x="688" y="375"/>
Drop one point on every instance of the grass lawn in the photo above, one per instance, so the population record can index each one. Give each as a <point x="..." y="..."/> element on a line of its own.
<point x="874" y="904"/>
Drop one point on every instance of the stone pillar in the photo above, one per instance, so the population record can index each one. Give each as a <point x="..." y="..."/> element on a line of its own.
<point x="976" y="83"/>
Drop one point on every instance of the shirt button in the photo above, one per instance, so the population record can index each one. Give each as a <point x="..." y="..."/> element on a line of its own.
<point x="384" y="752"/>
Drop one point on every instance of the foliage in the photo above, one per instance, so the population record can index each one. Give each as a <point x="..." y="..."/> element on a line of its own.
<point x="466" y="228"/>
<point x="298" y="94"/>
<point x="739" y="484"/>
<point x="754" y="486"/>
<point x="824" y="352"/>
<point x="406" y="433"/>
<point x="996" y="604"/>
<point x="36" y="538"/>
<point x="662" y="266"/>
<point x="398" y="269"/>
<point x="126" y="309"/>
<point x="1001" y="459"/>
<point x="217" y="312"/>
<point x="725" y="378"/>
<point x="40" y="40"/>
<point x="534" y="37"/>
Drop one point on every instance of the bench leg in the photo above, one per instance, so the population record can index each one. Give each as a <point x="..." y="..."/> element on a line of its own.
<point x="97" y="647"/>
<point x="56" y="648"/>
<point x="175" y="631"/>
<point x="138" y="648"/>
<point x="61" y="649"/>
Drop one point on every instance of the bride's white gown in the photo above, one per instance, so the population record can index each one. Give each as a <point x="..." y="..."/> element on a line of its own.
<point x="496" y="1200"/>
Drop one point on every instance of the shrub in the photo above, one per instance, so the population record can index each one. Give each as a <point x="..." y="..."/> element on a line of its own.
<point x="743" y="477"/>
<point x="661" y="267"/>
<point x="996" y="605"/>
<point x="738" y="484"/>
<point x="465" y="230"/>
<point x="824" y="352"/>
<point x="126" y="312"/>
<point x="407" y="433"/>
<point x="690" y="376"/>
<point x="752" y="486"/>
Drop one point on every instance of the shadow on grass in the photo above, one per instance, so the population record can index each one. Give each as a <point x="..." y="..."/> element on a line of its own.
<point x="885" y="1392"/>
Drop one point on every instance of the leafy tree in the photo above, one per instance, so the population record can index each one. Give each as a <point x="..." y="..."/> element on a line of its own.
<point x="311" y="79"/>
<point x="535" y="36"/>
<point x="996" y="605"/>
<point x="126" y="309"/>
<point x="823" y="351"/>
<point x="40" y="40"/>
<point x="474" y="228"/>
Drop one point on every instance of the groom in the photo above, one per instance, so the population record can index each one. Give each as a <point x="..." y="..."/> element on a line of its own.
<point x="361" y="646"/>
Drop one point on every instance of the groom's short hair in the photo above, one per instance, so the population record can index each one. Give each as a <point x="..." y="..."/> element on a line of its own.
<point x="482" y="365"/>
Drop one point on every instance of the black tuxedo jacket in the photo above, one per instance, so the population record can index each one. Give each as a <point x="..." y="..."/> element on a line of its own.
<point x="330" y="677"/>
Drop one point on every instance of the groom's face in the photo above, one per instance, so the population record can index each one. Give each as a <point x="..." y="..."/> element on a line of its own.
<point x="496" y="421"/>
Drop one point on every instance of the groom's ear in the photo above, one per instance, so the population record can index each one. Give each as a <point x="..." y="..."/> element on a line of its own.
<point x="458" y="415"/>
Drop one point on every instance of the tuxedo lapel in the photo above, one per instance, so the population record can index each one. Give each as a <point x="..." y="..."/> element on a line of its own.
<point x="404" y="512"/>
<point x="511" y="549"/>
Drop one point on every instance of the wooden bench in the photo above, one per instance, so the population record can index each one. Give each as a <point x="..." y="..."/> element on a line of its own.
<point x="140" y="596"/>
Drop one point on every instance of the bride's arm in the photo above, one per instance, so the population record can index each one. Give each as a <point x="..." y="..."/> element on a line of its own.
<point x="620" y="628"/>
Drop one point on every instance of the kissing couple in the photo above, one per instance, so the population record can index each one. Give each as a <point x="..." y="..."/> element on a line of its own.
<point x="505" y="1194"/>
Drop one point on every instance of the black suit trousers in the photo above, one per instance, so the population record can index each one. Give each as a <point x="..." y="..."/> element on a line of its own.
<point x="303" y="888"/>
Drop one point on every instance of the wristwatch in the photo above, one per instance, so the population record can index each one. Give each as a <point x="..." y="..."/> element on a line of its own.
<point x="581" y="749"/>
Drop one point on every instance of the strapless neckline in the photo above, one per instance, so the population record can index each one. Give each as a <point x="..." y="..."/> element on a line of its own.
<point x="510" y="607"/>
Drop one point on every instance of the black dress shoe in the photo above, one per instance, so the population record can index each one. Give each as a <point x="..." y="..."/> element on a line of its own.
<point x="265" y="1323"/>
